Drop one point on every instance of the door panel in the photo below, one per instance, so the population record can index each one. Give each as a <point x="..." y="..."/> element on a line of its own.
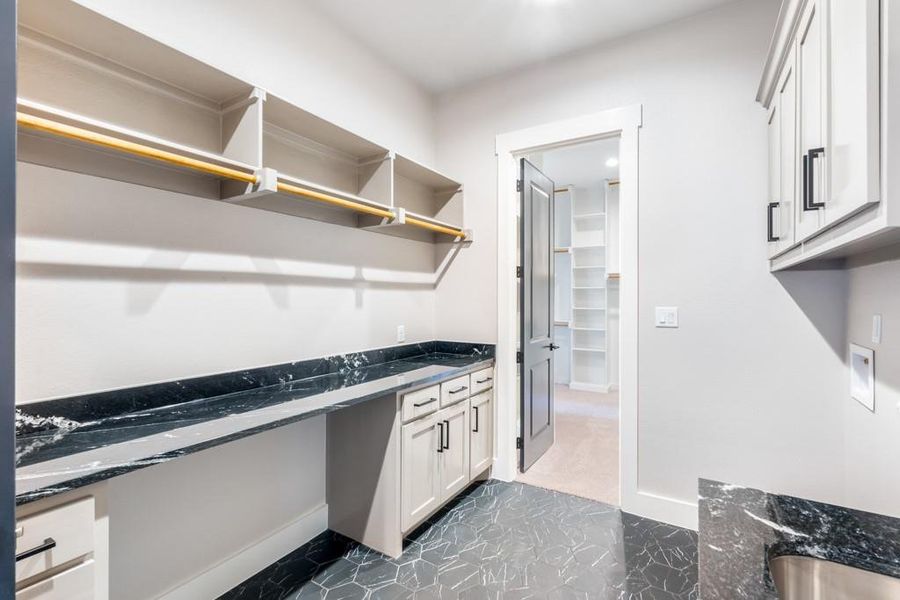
<point x="421" y="486"/>
<point x="853" y="103"/>
<point x="455" y="456"/>
<point x="773" y="198"/>
<point x="536" y="327"/>
<point x="811" y="102"/>
<point x="787" y="153"/>
<point x="481" y="418"/>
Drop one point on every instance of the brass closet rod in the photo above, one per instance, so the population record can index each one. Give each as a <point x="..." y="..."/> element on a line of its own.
<point x="84" y="135"/>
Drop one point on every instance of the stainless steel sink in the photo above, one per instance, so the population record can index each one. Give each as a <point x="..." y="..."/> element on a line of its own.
<point x="804" y="578"/>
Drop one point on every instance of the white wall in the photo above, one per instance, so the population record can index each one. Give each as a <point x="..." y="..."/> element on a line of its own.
<point x="747" y="390"/>
<point x="121" y="285"/>
<point x="871" y="444"/>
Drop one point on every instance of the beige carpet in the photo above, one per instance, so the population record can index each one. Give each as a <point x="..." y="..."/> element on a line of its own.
<point x="584" y="459"/>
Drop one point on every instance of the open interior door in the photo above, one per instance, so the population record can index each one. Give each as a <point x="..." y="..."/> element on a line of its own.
<point x="536" y="327"/>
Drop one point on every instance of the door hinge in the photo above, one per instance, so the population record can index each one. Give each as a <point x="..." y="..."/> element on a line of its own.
<point x="518" y="272"/>
<point x="518" y="357"/>
<point x="518" y="443"/>
<point x="518" y="185"/>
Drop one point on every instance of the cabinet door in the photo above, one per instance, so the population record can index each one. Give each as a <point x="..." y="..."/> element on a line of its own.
<point x="481" y="418"/>
<point x="811" y="160"/>
<point x="420" y="472"/>
<point x="773" y="198"/>
<point x="455" y="455"/>
<point x="787" y="155"/>
<point x="853" y="106"/>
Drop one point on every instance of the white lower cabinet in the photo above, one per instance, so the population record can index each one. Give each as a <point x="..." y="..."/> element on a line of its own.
<point x="76" y="583"/>
<point x="481" y="445"/>
<point x="443" y="451"/>
<point x="420" y="473"/>
<point x="454" y="456"/>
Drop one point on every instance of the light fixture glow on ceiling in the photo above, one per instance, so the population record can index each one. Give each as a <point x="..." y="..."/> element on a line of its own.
<point x="612" y="162"/>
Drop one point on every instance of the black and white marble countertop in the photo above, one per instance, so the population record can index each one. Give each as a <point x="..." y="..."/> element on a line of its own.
<point x="742" y="528"/>
<point x="72" y="442"/>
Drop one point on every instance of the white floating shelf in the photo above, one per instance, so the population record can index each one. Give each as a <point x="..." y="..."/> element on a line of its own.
<point x="587" y="308"/>
<point x="594" y="350"/>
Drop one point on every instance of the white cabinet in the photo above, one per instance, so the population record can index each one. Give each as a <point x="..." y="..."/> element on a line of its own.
<point x="420" y="471"/>
<point x="442" y="452"/>
<point x="481" y="446"/>
<point x="811" y="115"/>
<point x="76" y="583"/>
<point x="782" y="134"/>
<point x="454" y="456"/>
<point x="822" y="90"/>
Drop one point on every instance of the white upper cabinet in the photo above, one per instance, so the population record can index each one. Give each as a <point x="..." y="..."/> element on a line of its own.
<point x="811" y="118"/>
<point x="826" y="77"/>
<point x="853" y="104"/>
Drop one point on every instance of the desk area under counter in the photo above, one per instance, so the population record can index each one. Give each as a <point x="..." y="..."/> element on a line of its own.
<point x="65" y="446"/>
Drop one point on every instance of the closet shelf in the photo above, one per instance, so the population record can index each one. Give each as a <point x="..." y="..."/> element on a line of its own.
<point x="586" y="308"/>
<point x="590" y="216"/>
<point x="304" y="189"/>
<point x="596" y="350"/>
<point x="156" y="117"/>
<point x="561" y="323"/>
<point x="589" y="247"/>
<point x="576" y="328"/>
<point x="588" y="287"/>
<point x="589" y="267"/>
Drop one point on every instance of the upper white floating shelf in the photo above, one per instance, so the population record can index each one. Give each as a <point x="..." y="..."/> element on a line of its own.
<point x="152" y="115"/>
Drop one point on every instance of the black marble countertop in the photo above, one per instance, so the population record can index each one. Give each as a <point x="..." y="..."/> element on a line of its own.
<point x="69" y="443"/>
<point x="741" y="529"/>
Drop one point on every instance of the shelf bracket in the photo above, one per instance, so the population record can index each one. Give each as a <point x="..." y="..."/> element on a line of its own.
<point x="267" y="183"/>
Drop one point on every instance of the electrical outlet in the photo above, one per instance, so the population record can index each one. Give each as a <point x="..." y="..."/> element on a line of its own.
<point x="667" y="316"/>
<point x="401" y="333"/>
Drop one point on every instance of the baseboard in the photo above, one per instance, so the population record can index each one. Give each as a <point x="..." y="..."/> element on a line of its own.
<point x="249" y="561"/>
<point x="664" y="509"/>
<point x="588" y="387"/>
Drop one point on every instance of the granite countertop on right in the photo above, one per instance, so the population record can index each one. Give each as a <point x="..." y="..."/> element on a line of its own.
<point x="742" y="528"/>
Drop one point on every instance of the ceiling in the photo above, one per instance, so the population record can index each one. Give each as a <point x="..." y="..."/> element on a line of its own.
<point x="443" y="44"/>
<point x="581" y="165"/>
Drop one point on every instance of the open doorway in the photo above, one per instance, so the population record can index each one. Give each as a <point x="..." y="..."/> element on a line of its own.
<point x="582" y="405"/>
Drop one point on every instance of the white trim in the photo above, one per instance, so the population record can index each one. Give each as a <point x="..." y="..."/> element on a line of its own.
<point x="626" y="123"/>
<point x="589" y="387"/>
<point x="249" y="561"/>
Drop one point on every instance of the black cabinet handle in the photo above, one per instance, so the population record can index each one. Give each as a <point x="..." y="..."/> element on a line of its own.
<point x="485" y="380"/>
<point x="49" y="544"/>
<point x="770" y="232"/>
<point x="475" y="408"/>
<point x="447" y="430"/>
<point x="809" y="178"/>
<point x="459" y="389"/>
<point x="440" y="438"/>
<point x="426" y="403"/>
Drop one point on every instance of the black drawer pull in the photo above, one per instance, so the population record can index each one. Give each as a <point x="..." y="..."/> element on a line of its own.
<point x="475" y="408"/>
<point x="770" y="233"/>
<point x="440" y="438"/>
<point x="447" y="430"/>
<point x="809" y="178"/>
<point x="485" y="380"/>
<point x="49" y="544"/>
<point x="426" y="403"/>
<point x="459" y="389"/>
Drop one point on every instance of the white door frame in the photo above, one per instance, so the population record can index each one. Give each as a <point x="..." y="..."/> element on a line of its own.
<point x="624" y="122"/>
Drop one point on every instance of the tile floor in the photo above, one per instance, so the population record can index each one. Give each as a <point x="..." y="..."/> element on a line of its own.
<point x="584" y="458"/>
<point x="498" y="540"/>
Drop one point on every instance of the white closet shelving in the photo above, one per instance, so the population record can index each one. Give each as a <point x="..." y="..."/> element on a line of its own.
<point x="581" y="293"/>
<point x="99" y="98"/>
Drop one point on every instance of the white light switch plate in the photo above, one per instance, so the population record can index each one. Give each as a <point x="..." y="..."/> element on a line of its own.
<point x="401" y="333"/>
<point x="667" y="316"/>
<point x="876" y="329"/>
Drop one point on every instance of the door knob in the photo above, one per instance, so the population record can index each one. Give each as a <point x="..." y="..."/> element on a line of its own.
<point x="552" y="347"/>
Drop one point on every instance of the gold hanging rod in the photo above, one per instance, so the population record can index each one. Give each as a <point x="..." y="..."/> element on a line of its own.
<point x="329" y="199"/>
<point x="107" y="141"/>
<point x="613" y="182"/>
<point x="84" y="135"/>
<point x="435" y="227"/>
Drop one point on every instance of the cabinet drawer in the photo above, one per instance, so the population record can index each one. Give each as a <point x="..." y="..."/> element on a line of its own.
<point x="454" y="390"/>
<point x="482" y="380"/>
<point x="67" y="532"/>
<point x="420" y="403"/>
<point x="76" y="583"/>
